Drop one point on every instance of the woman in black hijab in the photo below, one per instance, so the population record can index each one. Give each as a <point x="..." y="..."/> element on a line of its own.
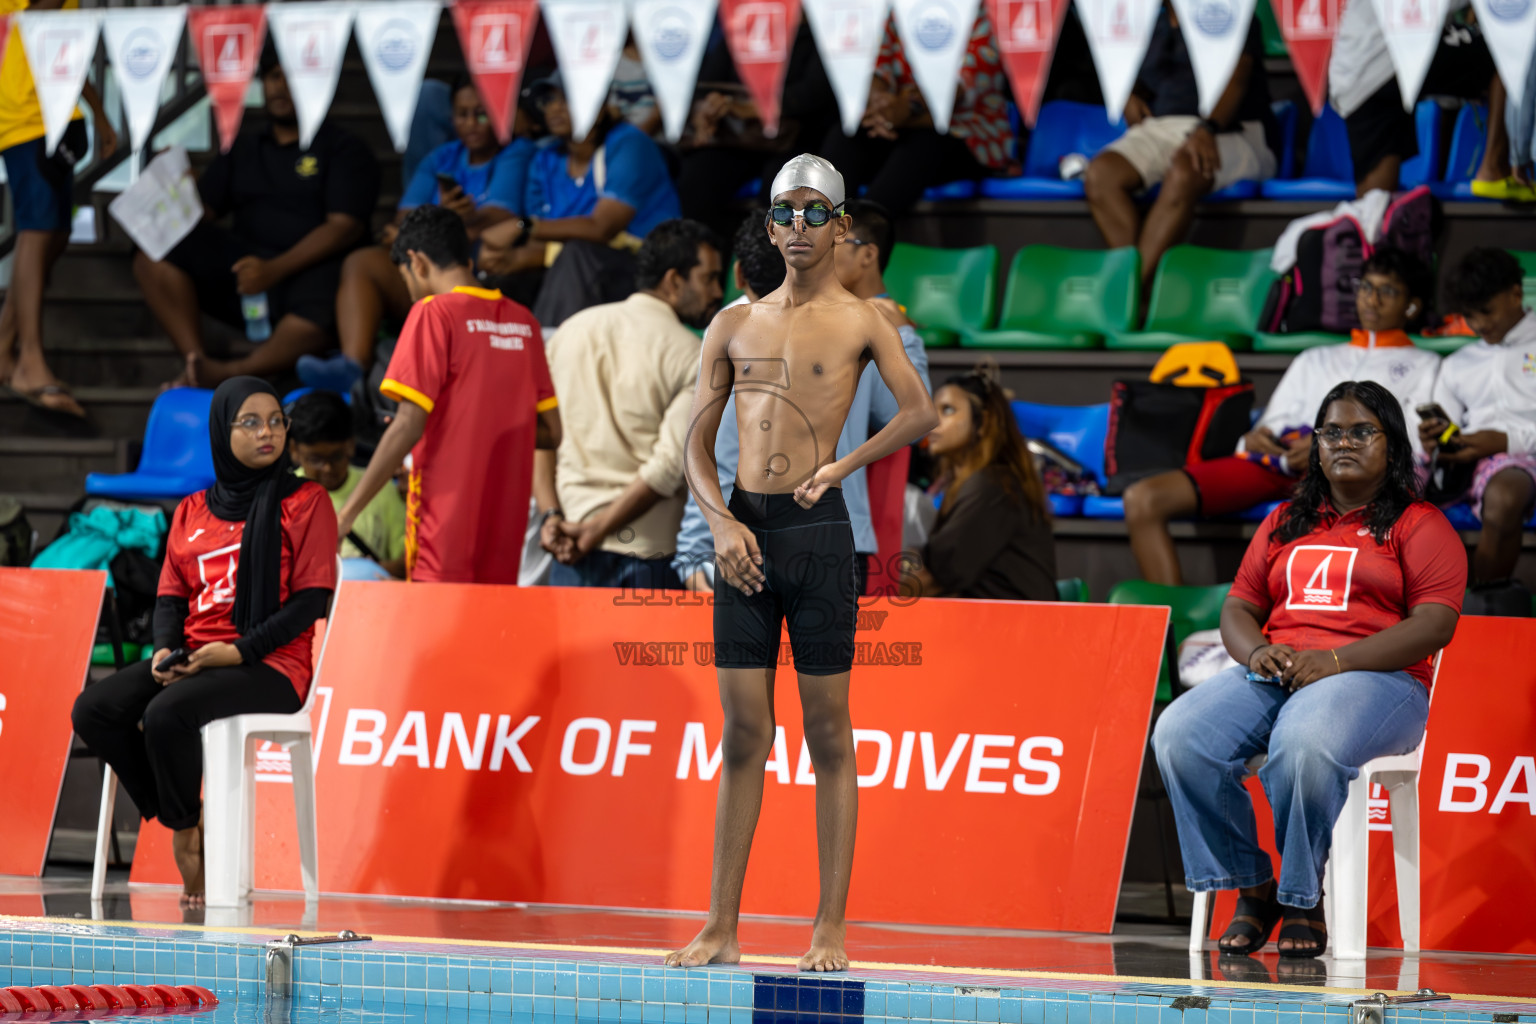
<point x="250" y="565"/>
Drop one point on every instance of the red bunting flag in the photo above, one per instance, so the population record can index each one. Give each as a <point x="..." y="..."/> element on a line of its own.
<point x="1309" y="27"/>
<point x="1026" y="32"/>
<point x="228" y="41"/>
<point x="761" y="34"/>
<point x="495" y="36"/>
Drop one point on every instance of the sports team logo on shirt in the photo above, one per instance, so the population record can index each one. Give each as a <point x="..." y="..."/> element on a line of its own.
<point x="1318" y="577"/>
<point x="216" y="570"/>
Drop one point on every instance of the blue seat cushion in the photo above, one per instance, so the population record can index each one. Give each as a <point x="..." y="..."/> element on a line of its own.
<point x="1461" y="517"/>
<point x="952" y="191"/>
<point x="1066" y="506"/>
<point x="1234" y="192"/>
<point x="1309" y="188"/>
<point x="1102" y="506"/>
<point x="144" y="486"/>
<point x="1031" y="188"/>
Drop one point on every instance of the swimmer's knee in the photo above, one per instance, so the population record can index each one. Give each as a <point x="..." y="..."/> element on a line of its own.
<point x="829" y="738"/>
<point x="747" y="742"/>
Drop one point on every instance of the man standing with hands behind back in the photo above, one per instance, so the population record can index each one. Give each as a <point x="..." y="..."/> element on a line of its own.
<point x="784" y="544"/>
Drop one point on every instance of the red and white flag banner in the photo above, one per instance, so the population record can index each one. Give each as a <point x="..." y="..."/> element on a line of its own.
<point x="395" y="40"/>
<point x="311" y="39"/>
<point x="495" y="36"/>
<point x="761" y="34"/>
<point x="588" y="36"/>
<point x="59" y="46"/>
<point x="1118" y="34"/>
<point x="228" y="44"/>
<point x="1412" y="29"/>
<point x="934" y="37"/>
<point x="671" y="35"/>
<point x="848" y="34"/>
<point x="1026" y="32"/>
<point x="1308" y="27"/>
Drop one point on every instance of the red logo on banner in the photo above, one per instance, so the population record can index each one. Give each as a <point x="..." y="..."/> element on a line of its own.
<point x="1026" y="33"/>
<point x="495" y="36"/>
<point x="1308" y="27"/>
<point x="228" y="41"/>
<point x="760" y="34"/>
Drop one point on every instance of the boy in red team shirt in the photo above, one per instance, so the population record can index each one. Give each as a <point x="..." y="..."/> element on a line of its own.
<point x="475" y="401"/>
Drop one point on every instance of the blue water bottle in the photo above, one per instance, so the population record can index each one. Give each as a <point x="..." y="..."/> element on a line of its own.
<point x="258" y="324"/>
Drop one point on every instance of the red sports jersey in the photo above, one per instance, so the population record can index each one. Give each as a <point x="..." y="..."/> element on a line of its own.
<point x="202" y="555"/>
<point x="1336" y="585"/>
<point x="475" y="361"/>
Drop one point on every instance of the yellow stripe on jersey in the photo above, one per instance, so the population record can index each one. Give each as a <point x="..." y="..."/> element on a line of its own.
<point x="404" y="392"/>
<point x="547" y="403"/>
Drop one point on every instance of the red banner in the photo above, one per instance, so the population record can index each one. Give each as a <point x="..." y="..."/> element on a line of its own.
<point x="47" y="627"/>
<point x="761" y="34"/>
<point x="1477" y="803"/>
<point x="228" y="41"/>
<point x="1026" y="32"/>
<point x="495" y="36"/>
<point x="549" y="724"/>
<point x="1309" y="27"/>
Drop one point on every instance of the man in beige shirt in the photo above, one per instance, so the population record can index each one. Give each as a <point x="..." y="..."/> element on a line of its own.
<point x="625" y="372"/>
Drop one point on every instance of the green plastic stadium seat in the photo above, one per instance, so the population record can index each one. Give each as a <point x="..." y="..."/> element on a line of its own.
<point x="1269" y="29"/>
<point x="946" y="291"/>
<point x="1443" y="345"/>
<point x="1192" y="609"/>
<point x="1064" y="299"/>
<point x="1296" y="342"/>
<point x="1075" y="589"/>
<point x="1203" y="294"/>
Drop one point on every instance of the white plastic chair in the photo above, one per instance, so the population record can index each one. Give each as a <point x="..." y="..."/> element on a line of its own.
<point x="229" y="796"/>
<point x="1346" y="876"/>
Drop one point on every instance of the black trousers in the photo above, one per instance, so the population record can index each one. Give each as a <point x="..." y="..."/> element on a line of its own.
<point x="162" y="765"/>
<point x="898" y="172"/>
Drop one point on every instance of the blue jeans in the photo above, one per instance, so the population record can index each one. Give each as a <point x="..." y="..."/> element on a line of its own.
<point x="1316" y="738"/>
<point x="611" y="569"/>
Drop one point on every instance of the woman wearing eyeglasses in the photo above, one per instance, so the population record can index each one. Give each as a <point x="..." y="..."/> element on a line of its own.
<point x="250" y="565"/>
<point x="1343" y="598"/>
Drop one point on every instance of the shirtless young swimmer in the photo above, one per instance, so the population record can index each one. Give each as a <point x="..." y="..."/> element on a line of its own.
<point x="784" y="545"/>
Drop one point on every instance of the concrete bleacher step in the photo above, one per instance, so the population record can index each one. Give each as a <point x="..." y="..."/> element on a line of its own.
<point x="115" y="412"/>
<point x="58" y="465"/>
<point x="94" y="361"/>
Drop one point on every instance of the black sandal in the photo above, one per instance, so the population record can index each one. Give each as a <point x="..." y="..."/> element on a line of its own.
<point x="1253" y="920"/>
<point x="1305" y="925"/>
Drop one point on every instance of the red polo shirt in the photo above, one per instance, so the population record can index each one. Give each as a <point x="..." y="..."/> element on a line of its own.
<point x="1336" y="585"/>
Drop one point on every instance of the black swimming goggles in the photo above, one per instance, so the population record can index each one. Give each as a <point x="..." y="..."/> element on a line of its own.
<point x="816" y="214"/>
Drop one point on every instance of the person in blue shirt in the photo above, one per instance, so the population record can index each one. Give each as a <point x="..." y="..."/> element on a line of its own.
<point x="475" y="177"/>
<point x="860" y="261"/>
<point x="587" y="206"/>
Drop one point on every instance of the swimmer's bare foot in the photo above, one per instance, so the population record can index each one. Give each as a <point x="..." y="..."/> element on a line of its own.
<point x="715" y="944"/>
<point x="826" y="952"/>
<point x="187" y="846"/>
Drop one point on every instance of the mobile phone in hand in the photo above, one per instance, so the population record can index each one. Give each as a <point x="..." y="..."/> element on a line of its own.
<point x="1431" y="411"/>
<point x="446" y="183"/>
<point x="177" y="657"/>
<point x="1254" y="677"/>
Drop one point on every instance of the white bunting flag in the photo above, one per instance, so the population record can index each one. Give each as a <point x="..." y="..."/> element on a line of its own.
<point x="1214" y="33"/>
<point x="311" y="39"/>
<point x="1118" y="33"/>
<point x="1412" y="29"/>
<point x="59" y="47"/>
<point x="141" y="44"/>
<point x="671" y="35"/>
<point x="848" y="35"/>
<point x="395" y="40"/>
<point x="1510" y="28"/>
<point x="934" y="36"/>
<point x="588" y="36"/>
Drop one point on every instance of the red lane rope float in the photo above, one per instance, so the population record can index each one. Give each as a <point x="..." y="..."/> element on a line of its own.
<point x="78" y="1002"/>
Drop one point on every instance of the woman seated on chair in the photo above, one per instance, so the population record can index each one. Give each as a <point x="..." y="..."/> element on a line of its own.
<point x="1343" y="598"/>
<point x="250" y="564"/>
<point x="993" y="535"/>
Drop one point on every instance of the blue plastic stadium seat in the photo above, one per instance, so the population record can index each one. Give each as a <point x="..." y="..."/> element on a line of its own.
<point x="1461" y="517"/>
<point x="298" y="393"/>
<point x="1286" y="117"/>
<point x="1063" y="127"/>
<point x="1105" y="507"/>
<point x="1469" y="136"/>
<point x="951" y="192"/>
<point x="177" y="459"/>
<point x="1077" y="431"/>
<point x="1329" y="172"/>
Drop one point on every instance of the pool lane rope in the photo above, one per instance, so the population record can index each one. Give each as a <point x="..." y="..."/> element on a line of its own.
<point x="64" y="1002"/>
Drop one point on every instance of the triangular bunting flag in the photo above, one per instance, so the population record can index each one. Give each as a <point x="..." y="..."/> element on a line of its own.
<point x="934" y="36"/>
<point x="141" y="43"/>
<point x="1118" y="33"/>
<point x="228" y="44"/>
<point x="1309" y="27"/>
<point x="495" y="36"/>
<point x="588" y="36"/>
<point x="760" y="34"/>
<point x="395" y="40"/>
<point x="1412" y="29"/>
<point x="59" y="46"/>
<point x="1510" y="28"/>
<point x="311" y="39"/>
<point x="848" y="35"/>
<point x="671" y="35"/>
<point x="1214" y="33"/>
<point x="1026" y="32"/>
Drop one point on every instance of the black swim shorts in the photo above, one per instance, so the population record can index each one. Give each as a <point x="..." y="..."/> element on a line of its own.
<point x="808" y="565"/>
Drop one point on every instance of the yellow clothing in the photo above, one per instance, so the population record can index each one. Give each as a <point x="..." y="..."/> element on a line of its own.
<point x="21" y="119"/>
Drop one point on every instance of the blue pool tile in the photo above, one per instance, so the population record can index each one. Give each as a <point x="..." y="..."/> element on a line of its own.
<point x="458" y="999"/>
<point x="651" y="1013"/>
<point x="1124" y="1011"/>
<point x="165" y="962"/>
<point x="415" y="997"/>
<point x="741" y="1015"/>
<point x="101" y="960"/>
<point x="631" y="1012"/>
<point x="874" y="1002"/>
<point x="330" y="971"/>
<point x="696" y="1014"/>
<point x="415" y="976"/>
<point x="394" y="995"/>
<point x="394" y="974"/>
<point x="655" y="991"/>
<point x="718" y="1015"/>
<point x="351" y="973"/>
<point x="248" y="990"/>
<point x="437" y="977"/>
<point x="741" y="993"/>
<point x="919" y="1006"/>
<point x="544" y="984"/>
<point x="1168" y="1015"/>
<point x="1077" y="1009"/>
<point x="1031" y="1011"/>
<point x="373" y="973"/>
<point x="989" y="1009"/>
<point x="897" y="1003"/>
<point x="458" y="978"/>
<point x="436" y="996"/>
<point x="965" y="1008"/>
<point x="1239" y="1015"/>
<point x="1056" y="1011"/>
<point x="185" y="962"/>
<point x="673" y="1013"/>
<point x="698" y="991"/>
<point x="675" y="989"/>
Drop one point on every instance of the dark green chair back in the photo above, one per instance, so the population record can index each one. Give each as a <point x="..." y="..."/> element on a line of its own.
<point x="1192" y="609"/>
<point x="1064" y="291"/>
<point x="945" y="291"/>
<point x="1204" y="293"/>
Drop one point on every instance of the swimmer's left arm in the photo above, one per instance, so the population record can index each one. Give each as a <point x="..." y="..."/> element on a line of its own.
<point x="914" y="417"/>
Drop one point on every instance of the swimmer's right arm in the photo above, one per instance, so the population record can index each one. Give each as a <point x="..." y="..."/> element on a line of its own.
<point x="736" y="550"/>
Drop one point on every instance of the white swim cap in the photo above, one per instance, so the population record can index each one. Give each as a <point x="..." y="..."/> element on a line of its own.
<point x="807" y="171"/>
